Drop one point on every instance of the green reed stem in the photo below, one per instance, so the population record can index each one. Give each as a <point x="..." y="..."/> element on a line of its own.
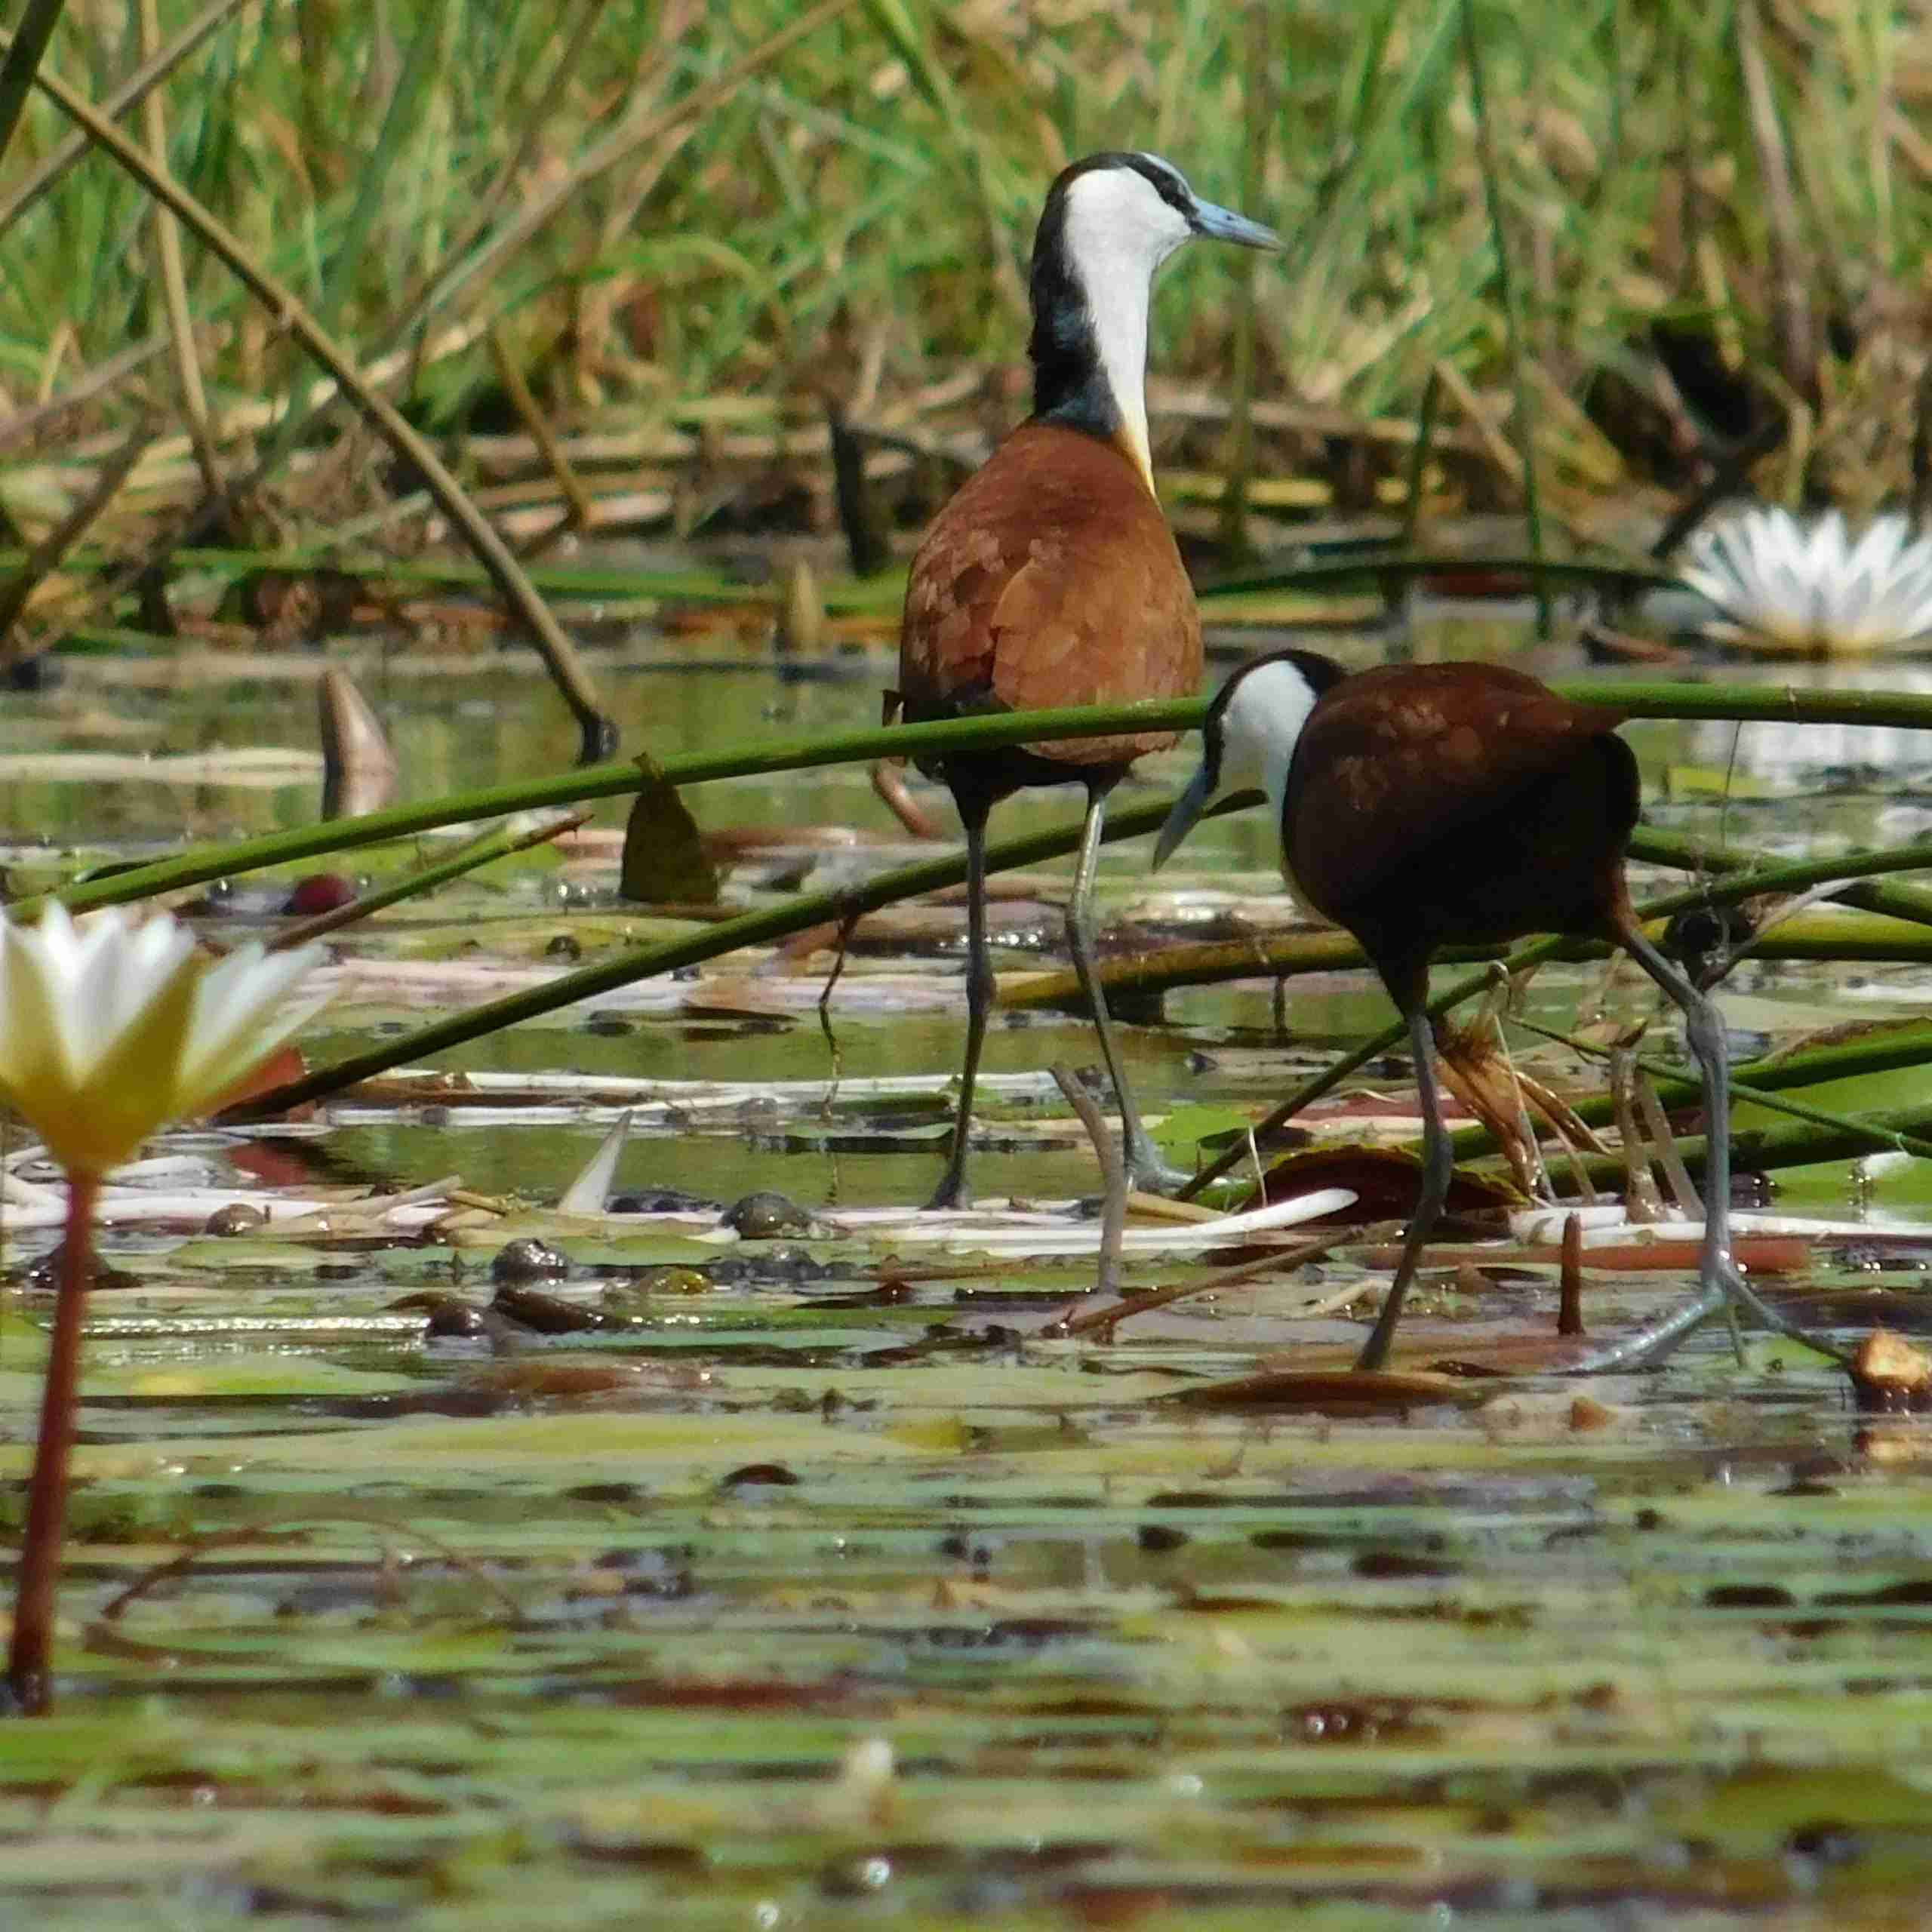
<point x="618" y="778"/>
<point x="750" y="929"/>
<point x="756" y="760"/>
<point x="1802" y="1144"/>
<point x="1285" y="954"/>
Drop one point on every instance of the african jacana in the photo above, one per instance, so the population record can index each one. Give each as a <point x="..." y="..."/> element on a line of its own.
<point x="1427" y="805"/>
<point x="1051" y="577"/>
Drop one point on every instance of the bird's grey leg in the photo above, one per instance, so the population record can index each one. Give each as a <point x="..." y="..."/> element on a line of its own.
<point x="1717" y="1270"/>
<point x="980" y="988"/>
<point x="1145" y="1167"/>
<point x="1438" y="1165"/>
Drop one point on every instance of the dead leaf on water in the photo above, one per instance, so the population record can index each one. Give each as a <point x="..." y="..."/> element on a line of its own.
<point x="1553" y="1415"/>
<point x="1347" y="1392"/>
<point x="550" y="1375"/>
<point x="664" y="862"/>
<point x="1889" y="1377"/>
<point x="1385" y="1181"/>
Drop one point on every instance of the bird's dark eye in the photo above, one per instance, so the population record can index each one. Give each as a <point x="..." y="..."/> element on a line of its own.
<point x="1166" y="183"/>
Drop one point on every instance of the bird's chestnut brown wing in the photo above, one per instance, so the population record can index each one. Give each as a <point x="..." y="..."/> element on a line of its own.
<point x="1396" y="761"/>
<point x="1051" y="579"/>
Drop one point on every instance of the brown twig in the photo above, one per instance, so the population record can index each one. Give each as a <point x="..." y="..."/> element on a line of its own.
<point x="1507" y="459"/>
<point x="843" y="942"/>
<point x="1683" y="1189"/>
<point x="580" y="507"/>
<point x="147" y="75"/>
<point x="179" y="1566"/>
<point x="45" y="555"/>
<point x="170" y="273"/>
<point x="1642" y="1201"/>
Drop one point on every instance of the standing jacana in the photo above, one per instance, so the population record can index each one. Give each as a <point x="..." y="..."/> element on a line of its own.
<point x="1051" y="578"/>
<point x="1428" y="805"/>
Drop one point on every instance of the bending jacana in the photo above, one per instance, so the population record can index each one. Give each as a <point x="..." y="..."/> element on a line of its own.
<point x="1051" y="578"/>
<point x="1428" y="805"/>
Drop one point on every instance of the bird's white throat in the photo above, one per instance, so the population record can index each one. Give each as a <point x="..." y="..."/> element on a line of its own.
<point x="1261" y="726"/>
<point x="1118" y="231"/>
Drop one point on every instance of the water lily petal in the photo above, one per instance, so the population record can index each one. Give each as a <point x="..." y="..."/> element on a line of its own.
<point x="1812" y="584"/>
<point x="110" y="1029"/>
<point x="114" y="969"/>
<point x="129" y="1092"/>
<point x="33" y="1053"/>
<point x="242" y="1014"/>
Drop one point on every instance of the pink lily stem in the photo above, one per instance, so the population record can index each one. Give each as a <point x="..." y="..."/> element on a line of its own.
<point x="29" y="1655"/>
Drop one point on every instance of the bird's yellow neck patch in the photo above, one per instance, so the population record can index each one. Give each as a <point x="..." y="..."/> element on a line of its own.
<point x="1130" y="439"/>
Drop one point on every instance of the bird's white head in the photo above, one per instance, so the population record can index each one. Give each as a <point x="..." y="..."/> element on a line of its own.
<point x="1249" y="735"/>
<point x="1110" y="221"/>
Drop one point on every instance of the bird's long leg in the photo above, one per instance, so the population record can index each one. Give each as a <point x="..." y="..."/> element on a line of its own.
<point x="1437" y="1164"/>
<point x="1717" y="1270"/>
<point x="1145" y="1167"/>
<point x="980" y="988"/>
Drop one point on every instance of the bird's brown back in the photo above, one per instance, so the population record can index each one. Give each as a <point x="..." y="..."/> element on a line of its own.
<point x="1458" y="803"/>
<point x="1050" y="578"/>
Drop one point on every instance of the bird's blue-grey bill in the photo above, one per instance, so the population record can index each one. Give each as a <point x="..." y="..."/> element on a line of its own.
<point x="1224" y="225"/>
<point x="1187" y="808"/>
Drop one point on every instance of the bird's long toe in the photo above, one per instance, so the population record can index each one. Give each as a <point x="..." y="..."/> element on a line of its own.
<point x="1746" y="1297"/>
<point x="1147" y="1173"/>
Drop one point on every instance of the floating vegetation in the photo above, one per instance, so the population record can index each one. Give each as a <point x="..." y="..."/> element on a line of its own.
<point x="417" y="1504"/>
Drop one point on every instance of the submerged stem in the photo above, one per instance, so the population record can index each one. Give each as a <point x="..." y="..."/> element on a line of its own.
<point x="30" y="1652"/>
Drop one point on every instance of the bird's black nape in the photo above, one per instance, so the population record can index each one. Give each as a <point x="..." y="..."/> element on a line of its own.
<point x="1068" y="385"/>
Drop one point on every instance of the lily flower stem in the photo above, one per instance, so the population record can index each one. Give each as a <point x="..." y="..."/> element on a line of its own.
<point x="30" y="1652"/>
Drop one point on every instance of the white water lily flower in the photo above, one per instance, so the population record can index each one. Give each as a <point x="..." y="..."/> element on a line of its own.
<point x="110" y="1029"/>
<point x="1792" y="583"/>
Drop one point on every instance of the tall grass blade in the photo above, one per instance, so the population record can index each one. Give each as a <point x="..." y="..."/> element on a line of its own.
<point x="170" y="272"/>
<point x="149" y="73"/>
<point x="1258" y="104"/>
<point x="1521" y="421"/>
<point x="18" y="69"/>
<point x="401" y="121"/>
<point x="558" y="652"/>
